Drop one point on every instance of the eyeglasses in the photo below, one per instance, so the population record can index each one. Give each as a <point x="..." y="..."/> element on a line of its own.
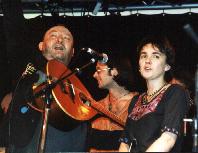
<point x="104" y="69"/>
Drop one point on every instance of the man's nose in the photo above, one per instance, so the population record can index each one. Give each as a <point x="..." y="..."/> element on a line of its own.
<point x="60" y="39"/>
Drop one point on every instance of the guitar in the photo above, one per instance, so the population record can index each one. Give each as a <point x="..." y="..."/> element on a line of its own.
<point x="72" y="103"/>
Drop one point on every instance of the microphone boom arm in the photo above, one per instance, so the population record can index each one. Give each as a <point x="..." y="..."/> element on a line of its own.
<point x="53" y="84"/>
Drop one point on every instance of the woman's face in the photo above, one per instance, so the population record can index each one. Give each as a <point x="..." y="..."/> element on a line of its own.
<point x="152" y="63"/>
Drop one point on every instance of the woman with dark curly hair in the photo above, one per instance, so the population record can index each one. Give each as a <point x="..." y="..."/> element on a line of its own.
<point x="155" y="116"/>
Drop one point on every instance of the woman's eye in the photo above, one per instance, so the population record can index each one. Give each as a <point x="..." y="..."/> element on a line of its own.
<point x="156" y="56"/>
<point x="142" y="56"/>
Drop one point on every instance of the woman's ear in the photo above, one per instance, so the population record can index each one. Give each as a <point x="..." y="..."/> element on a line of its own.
<point x="167" y="67"/>
<point x="114" y="72"/>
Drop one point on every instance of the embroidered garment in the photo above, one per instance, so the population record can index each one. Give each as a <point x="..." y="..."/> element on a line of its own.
<point x="146" y="122"/>
<point x="140" y="110"/>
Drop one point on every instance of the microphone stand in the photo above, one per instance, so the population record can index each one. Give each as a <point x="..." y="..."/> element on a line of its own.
<point x="48" y="98"/>
<point x="195" y="120"/>
<point x="45" y="117"/>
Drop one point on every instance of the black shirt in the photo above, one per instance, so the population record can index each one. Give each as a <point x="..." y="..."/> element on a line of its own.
<point x="146" y="122"/>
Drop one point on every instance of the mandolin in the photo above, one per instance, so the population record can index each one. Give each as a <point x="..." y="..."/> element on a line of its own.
<point x="72" y="103"/>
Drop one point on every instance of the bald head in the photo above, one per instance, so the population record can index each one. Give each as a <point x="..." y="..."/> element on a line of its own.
<point x="57" y="44"/>
<point x="59" y="28"/>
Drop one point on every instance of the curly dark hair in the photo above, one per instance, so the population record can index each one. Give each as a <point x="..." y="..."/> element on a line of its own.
<point x="124" y="67"/>
<point x="164" y="46"/>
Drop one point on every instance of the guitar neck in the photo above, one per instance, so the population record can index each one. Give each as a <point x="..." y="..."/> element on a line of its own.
<point x="106" y="112"/>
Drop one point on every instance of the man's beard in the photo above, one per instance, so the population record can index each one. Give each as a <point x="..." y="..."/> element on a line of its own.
<point x="49" y="53"/>
<point x="63" y="59"/>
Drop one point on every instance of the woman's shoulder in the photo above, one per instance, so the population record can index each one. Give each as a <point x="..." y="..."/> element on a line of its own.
<point x="176" y="88"/>
<point x="177" y="91"/>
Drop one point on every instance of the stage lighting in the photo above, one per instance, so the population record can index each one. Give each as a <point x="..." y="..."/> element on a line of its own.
<point x="97" y="7"/>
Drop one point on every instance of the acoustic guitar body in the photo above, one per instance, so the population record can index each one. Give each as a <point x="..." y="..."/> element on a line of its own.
<point x="71" y="100"/>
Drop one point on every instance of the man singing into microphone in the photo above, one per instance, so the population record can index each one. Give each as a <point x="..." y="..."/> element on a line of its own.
<point x="57" y="44"/>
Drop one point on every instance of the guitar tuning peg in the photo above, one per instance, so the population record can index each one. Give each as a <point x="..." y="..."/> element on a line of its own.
<point x="30" y="69"/>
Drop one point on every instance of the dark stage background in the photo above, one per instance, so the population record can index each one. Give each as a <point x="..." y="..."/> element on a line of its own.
<point x="19" y="38"/>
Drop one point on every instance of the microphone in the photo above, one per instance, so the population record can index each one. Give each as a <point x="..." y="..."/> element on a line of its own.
<point x="102" y="58"/>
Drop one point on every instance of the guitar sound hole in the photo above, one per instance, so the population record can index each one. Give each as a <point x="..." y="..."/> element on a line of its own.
<point x="84" y="99"/>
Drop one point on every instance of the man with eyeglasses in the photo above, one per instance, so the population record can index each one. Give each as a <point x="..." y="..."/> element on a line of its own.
<point x="116" y="77"/>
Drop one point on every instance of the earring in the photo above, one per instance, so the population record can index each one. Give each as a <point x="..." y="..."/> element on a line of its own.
<point x="168" y="67"/>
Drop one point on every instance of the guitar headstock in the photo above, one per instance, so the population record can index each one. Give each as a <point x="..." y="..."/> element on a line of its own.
<point x="30" y="69"/>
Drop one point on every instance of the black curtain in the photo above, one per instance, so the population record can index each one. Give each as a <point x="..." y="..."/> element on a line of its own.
<point x="20" y="37"/>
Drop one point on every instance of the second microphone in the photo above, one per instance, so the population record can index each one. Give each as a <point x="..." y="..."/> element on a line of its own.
<point x="101" y="57"/>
